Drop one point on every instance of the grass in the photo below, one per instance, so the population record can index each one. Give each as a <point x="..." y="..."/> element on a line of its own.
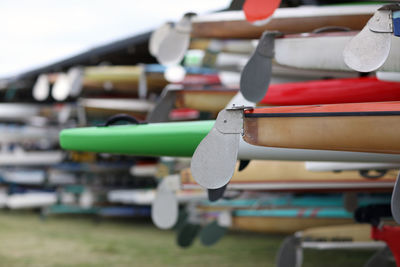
<point x="66" y="241"/>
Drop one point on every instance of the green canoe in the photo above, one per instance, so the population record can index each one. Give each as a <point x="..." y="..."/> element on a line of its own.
<point x="175" y="139"/>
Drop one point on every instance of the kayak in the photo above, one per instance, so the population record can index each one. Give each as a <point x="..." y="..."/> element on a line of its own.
<point x="324" y="51"/>
<point x="363" y="127"/>
<point x="286" y="221"/>
<point x="180" y="139"/>
<point x="317" y="166"/>
<point x="348" y="90"/>
<point x="359" y="127"/>
<point x="119" y="78"/>
<point x="232" y="24"/>
<point x="292" y="176"/>
<point x="290" y="201"/>
<point x="104" y="108"/>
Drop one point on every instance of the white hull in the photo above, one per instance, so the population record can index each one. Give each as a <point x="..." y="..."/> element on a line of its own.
<point x="247" y="151"/>
<point x="296" y="12"/>
<point x="316" y="166"/>
<point x="146" y="197"/>
<point x="31" y="200"/>
<point x="30" y="177"/>
<point x="325" y="53"/>
<point x="31" y="158"/>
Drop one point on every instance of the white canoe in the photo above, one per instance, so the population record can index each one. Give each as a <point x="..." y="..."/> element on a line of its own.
<point x="248" y="151"/>
<point x="146" y="196"/>
<point x="31" y="200"/>
<point x="18" y="158"/>
<point x="318" y="166"/>
<point x="324" y="51"/>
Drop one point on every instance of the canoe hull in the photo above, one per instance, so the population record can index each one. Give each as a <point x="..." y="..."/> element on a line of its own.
<point x="282" y="225"/>
<point x="361" y="127"/>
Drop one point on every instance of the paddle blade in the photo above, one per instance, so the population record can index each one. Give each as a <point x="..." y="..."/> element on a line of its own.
<point x="213" y="162"/>
<point x="215" y="194"/>
<point x="41" y="89"/>
<point x="350" y="201"/>
<point x="212" y="233"/>
<point x="290" y="253"/>
<point x="370" y="48"/>
<point x="256" y="75"/>
<point x="174" y="45"/>
<point x="157" y="37"/>
<point x="61" y="87"/>
<point x="164" y="210"/>
<point x="395" y="204"/>
<point x="186" y="234"/>
<point x="259" y="11"/>
<point x="380" y="258"/>
<point x="243" y="164"/>
<point x="75" y="76"/>
<point x="164" y="105"/>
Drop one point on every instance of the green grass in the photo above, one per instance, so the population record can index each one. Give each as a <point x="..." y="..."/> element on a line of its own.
<point x="66" y="241"/>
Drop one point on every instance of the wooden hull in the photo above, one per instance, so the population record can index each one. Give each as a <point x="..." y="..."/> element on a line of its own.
<point x="284" y="222"/>
<point x="362" y="127"/>
<point x="204" y="100"/>
<point x="293" y="176"/>
<point x="350" y="232"/>
<point x="118" y="79"/>
<point x="232" y="24"/>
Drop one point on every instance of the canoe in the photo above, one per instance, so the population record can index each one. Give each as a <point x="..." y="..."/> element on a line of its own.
<point x="232" y="24"/>
<point x="147" y="196"/>
<point x="314" y="55"/>
<point x="285" y="221"/>
<point x="26" y="177"/>
<point x="291" y="201"/>
<point x="124" y="211"/>
<point x="349" y="90"/>
<point x="104" y="108"/>
<point x="351" y="232"/>
<point x="363" y="127"/>
<point x="123" y="79"/>
<point x="68" y="209"/>
<point x="34" y="158"/>
<point x="293" y="176"/>
<point x="31" y="200"/>
<point x="180" y="139"/>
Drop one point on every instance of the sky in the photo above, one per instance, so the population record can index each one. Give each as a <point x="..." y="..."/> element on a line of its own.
<point x="39" y="32"/>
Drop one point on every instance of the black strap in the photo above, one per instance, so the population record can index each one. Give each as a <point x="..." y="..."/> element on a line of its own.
<point x="366" y="174"/>
<point x="120" y="117"/>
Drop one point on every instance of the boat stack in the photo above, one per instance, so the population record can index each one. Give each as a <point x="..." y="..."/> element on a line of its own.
<point x="265" y="118"/>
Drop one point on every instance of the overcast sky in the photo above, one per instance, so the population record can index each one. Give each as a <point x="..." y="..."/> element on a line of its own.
<point x="38" y="32"/>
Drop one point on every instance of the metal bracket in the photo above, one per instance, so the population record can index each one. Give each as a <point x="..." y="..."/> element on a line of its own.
<point x="381" y="22"/>
<point x="185" y="24"/>
<point x="213" y="162"/>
